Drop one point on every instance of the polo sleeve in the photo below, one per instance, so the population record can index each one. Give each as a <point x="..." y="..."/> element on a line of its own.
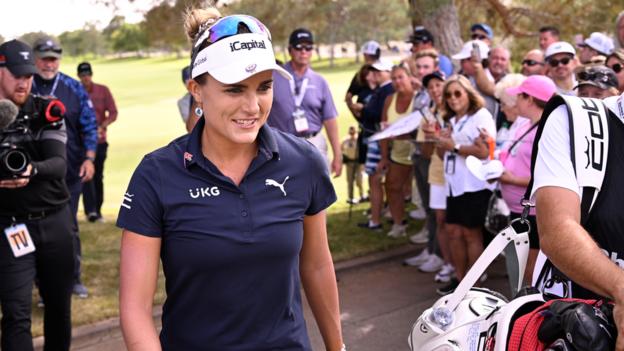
<point x="322" y="191"/>
<point x="553" y="165"/>
<point x="329" y="108"/>
<point x="141" y="209"/>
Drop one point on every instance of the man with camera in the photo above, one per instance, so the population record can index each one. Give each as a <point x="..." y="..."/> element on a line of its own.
<point x="81" y="127"/>
<point x="34" y="216"/>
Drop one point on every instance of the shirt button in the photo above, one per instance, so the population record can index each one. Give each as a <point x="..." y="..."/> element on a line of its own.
<point x="244" y="213"/>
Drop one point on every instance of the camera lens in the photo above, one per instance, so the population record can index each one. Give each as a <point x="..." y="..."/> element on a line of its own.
<point x="15" y="161"/>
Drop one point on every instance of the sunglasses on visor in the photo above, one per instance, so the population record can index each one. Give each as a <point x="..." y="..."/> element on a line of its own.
<point x="593" y="76"/>
<point x="231" y="25"/>
<point x="46" y="48"/>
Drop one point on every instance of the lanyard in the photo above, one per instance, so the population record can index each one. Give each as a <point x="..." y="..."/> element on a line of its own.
<point x="512" y="147"/>
<point x="620" y="103"/>
<point x="298" y="97"/>
<point x="463" y="123"/>
<point x="54" y="85"/>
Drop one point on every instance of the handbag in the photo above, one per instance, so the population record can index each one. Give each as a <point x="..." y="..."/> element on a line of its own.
<point x="497" y="215"/>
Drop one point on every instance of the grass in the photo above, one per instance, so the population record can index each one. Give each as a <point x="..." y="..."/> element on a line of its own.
<point x="146" y="91"/>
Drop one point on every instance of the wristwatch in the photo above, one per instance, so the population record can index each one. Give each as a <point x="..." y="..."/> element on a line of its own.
<point x="92" y="159"/>
<point x="456" y="148"/>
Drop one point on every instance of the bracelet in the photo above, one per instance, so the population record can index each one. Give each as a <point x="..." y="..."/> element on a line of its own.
<point x="92" y="159"/>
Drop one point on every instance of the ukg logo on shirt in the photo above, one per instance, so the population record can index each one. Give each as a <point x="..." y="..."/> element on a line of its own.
<point x="208" y="191"/>
<point x="247" y="45"/>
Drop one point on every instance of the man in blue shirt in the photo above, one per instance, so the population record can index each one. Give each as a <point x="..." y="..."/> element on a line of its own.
<point x="304" y="105"/>
<point x="81" y="130"/>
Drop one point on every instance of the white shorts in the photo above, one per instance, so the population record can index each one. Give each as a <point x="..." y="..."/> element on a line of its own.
<point x="437" y="197"/>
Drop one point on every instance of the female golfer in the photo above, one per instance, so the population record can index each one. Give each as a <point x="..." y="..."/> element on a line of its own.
<point x="235" y="210"/>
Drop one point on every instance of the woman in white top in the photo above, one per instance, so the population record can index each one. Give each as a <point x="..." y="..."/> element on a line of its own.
<point x="467" y="196"/>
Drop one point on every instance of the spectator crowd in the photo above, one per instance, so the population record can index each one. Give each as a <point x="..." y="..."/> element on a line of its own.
<point x="477" y="107"/>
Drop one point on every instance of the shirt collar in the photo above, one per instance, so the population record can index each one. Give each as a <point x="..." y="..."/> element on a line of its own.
<point x="267" y="145"/>
<point x="288" y="67"/>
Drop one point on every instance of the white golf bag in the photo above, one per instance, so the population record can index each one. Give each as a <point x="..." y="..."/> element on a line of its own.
<point x="470" y="318"/>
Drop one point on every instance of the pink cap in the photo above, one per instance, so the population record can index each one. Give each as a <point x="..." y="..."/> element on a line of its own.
<point x="539" y="87"/>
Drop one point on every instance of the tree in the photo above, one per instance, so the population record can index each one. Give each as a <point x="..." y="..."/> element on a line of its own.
<point x="331" y="21"/>
<point x="441" y="18"/>
<point x="84" y="41"/>
<point x="129" y="38"/>
<point x="31" y="37"/>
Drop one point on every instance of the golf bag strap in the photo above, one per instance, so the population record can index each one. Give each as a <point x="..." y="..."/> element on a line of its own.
<point x="506" y="237"/>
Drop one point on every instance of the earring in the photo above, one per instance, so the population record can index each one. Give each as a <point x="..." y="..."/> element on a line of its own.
<point x="198" y="111"/>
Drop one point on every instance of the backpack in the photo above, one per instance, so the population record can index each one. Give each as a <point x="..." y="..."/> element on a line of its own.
<point x="589" y="148"/>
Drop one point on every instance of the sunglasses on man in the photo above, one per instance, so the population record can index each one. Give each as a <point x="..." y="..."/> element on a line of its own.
<point x="301" y="47"/>
<point x="564" y="61"/>
<point x="617" y="68"/>
<point x="477" y="36"/>
<point x="532" y="63"/>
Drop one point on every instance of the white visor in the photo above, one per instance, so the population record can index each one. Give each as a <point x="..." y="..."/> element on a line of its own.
<point x="236" y="58"/>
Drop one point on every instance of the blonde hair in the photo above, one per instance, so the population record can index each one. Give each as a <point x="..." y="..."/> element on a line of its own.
<point x="428" y="53"/>
<point x="475" y="100"/>
<point x="509" y="81"/>
<point x="195" y="18"/>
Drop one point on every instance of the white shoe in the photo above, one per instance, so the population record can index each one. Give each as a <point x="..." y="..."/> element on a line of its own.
<point x="397" y="230"/>
<point x="433" y="264"/>
<point x="418" y="214"/>
<point x="445" y="274"/>
<point x="421" y="237"/>
<point x="386" y="213"/>
<point x="418" y="259"/>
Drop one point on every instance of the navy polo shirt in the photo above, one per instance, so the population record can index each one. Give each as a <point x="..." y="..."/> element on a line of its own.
<point x="230" y="253"/>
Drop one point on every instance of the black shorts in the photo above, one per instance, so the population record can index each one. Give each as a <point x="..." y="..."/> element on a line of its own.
<point x="533" y="236"/>
<point x="468" y="209"/>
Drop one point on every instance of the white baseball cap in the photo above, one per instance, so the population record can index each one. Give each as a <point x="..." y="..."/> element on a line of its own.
<point x="599" y="42"/>
<point x="466" y="51"/>
<point x="236" y="58"/>
<point x="370" y="48"/>
<point x="382" y="65"/>
<point x="559" y="47"/>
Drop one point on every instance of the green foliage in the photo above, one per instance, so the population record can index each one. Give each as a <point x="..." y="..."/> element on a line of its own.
<point x="571" y="17"/>
<point x="331" y="21"/>
<point x="31" y="37"/>
<point x="84" y="41"/>
<point x="128" y="37"/>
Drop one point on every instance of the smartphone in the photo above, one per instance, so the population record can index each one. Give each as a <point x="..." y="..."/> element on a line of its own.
<point x="476" y="54"/>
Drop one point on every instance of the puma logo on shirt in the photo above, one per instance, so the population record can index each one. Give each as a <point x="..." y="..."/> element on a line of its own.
<point x="272" y="182"/>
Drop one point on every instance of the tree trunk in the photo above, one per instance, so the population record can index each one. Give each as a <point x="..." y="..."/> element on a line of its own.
<point x="332" y="47"/>
<point x="440" y="18"/>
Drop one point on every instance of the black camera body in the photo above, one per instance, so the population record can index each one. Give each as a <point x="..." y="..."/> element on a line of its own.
<point x="36" y="115"/>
